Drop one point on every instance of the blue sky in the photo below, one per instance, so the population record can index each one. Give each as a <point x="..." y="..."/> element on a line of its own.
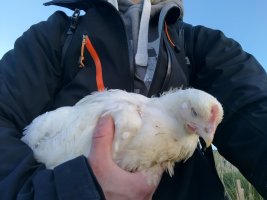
<point x="238" y="19"/>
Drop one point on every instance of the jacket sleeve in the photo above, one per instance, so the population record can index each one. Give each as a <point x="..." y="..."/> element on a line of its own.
<point x="30" y="76"/>
<point x="239" y="82"/>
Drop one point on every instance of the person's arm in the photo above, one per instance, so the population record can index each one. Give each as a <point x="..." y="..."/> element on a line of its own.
<point x="240" y="84"/>
<point x="30" y="77"/>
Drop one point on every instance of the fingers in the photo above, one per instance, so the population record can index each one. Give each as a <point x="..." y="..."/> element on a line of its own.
<point x="101" y="148"/>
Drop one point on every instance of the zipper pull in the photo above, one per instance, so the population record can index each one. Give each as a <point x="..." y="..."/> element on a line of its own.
<point x="74" y="21"/>
<point x="81" y="58"/>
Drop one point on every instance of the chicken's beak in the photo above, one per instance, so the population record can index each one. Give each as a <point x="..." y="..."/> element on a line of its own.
<point x="208" y="134"/>
<point x="208" y="138"/>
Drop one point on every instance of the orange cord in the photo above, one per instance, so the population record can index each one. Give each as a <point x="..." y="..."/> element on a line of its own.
<point x="168" y="36"/>
<point x="99" y="78"/>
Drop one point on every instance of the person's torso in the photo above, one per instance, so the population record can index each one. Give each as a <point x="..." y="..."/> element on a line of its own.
<point x="194" y="179"/>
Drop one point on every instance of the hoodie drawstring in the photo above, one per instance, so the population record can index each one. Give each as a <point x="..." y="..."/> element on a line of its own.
<point x="141" y="56"/>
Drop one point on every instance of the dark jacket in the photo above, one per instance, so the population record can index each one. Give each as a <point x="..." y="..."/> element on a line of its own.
<point x="35" y="79"/>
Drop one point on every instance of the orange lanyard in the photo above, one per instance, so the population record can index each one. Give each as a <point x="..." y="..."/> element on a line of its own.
<point x="90" y="48"/>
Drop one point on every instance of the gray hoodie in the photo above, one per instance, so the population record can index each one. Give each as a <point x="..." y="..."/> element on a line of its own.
<point x="143" y="39"/>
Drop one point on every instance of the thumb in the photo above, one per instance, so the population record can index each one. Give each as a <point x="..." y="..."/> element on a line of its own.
<point x="102" y="139"/>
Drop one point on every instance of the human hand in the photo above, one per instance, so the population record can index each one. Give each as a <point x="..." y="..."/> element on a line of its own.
<point x="116" y="183"/>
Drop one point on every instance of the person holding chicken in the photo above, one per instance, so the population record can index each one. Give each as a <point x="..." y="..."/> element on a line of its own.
<point x="140" y="46"/>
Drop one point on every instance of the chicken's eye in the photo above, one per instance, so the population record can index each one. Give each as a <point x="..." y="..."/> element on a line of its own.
<point x="193" y="112"/>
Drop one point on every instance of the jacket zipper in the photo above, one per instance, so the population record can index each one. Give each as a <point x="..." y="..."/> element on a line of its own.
<point x="131" y="57"/>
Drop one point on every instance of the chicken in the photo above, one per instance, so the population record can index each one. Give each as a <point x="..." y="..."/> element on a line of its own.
<point x="151" y="134"/>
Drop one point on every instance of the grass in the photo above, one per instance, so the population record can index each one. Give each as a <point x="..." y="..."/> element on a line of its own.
<point x="236" y="186"/>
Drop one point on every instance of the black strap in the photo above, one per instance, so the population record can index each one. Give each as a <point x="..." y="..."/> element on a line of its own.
<point x="168" y="73"/>
<point x="188" y="46"/>
<point x="178" y="47"/>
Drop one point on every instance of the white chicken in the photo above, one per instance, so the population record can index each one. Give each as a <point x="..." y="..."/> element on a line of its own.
<point x="151" y="134"/>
